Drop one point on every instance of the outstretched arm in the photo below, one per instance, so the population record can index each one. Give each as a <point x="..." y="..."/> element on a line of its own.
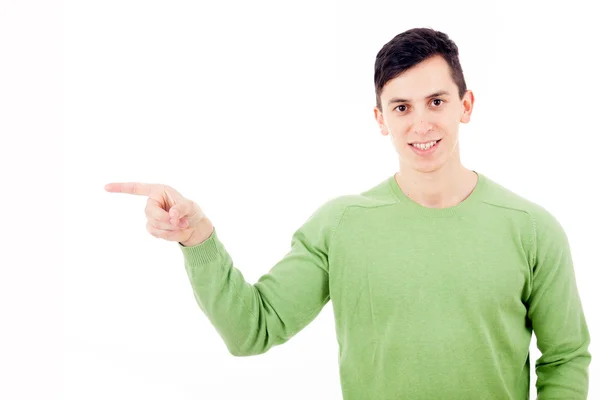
<point x="252" y="318"/>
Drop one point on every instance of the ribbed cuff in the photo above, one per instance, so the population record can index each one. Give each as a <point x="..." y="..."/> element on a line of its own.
<point x="204" y="253"/>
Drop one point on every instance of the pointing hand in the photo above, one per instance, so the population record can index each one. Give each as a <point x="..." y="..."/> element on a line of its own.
<point x="170" y="215"/>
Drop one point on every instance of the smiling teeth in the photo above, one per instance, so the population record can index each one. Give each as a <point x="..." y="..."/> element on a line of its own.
<point x="424" y="146"/>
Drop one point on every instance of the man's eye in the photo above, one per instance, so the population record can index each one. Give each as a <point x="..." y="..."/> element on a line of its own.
<point x="404" y="109"/>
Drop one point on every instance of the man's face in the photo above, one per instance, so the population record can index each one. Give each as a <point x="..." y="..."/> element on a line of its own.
<point x="409" y="115"/>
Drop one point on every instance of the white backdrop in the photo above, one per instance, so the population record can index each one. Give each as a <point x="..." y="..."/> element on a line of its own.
<point x="260" y="112"/>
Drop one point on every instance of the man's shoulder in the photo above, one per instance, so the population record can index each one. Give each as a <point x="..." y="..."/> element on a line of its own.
<point x="376" y="195"/>
<point x="498" y="195"/>
<point x="332" y="209"/>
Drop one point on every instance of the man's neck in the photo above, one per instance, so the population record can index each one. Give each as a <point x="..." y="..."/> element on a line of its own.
<point x="443" y="188"/>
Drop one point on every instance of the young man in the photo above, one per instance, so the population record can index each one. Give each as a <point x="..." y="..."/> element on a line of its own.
<point x="437" y="275"/>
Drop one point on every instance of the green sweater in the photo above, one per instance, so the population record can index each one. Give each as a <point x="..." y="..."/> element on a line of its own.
<point x="429" y="303"/>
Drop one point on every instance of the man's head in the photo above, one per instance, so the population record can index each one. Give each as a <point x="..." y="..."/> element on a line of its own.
<point x="421" y="96"/>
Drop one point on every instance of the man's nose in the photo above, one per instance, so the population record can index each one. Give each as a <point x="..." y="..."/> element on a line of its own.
<point x="422" y="127"/>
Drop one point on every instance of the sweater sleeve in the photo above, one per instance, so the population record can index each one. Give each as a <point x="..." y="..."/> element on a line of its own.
<point x="252" y="318"/>
<point x="556" y="315"/>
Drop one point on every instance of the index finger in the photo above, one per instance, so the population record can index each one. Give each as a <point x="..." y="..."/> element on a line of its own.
<point x="137" y="188"/>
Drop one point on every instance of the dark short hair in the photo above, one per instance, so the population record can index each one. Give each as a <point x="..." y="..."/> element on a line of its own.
<point x="411" y="47"/>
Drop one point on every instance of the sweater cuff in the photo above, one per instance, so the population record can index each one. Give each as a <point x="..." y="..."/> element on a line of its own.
<point x="206" y="252"/>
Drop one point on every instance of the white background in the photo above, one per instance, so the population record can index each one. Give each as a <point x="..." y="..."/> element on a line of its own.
<point x="260" y="112"/>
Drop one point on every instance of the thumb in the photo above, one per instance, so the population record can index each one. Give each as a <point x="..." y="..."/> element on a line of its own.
<point x="180" y="210"/>
<point x="176" y="212"/>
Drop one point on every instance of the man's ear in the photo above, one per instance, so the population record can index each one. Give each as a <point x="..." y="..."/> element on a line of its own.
<point x="380" y="121"/>
<point x="467" y="102"/>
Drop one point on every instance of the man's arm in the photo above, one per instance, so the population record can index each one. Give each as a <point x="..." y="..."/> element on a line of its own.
<point x="252" y="318"/>
<point x="556" y="314"/>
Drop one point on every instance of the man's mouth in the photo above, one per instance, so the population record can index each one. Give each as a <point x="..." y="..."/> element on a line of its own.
<point x="422" y="147"/>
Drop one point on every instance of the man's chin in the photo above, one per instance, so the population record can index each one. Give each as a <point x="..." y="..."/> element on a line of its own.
<point x="424" y="167"/>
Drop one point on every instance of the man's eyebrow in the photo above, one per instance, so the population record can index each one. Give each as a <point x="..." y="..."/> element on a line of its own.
<point x="436" y="94"/>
